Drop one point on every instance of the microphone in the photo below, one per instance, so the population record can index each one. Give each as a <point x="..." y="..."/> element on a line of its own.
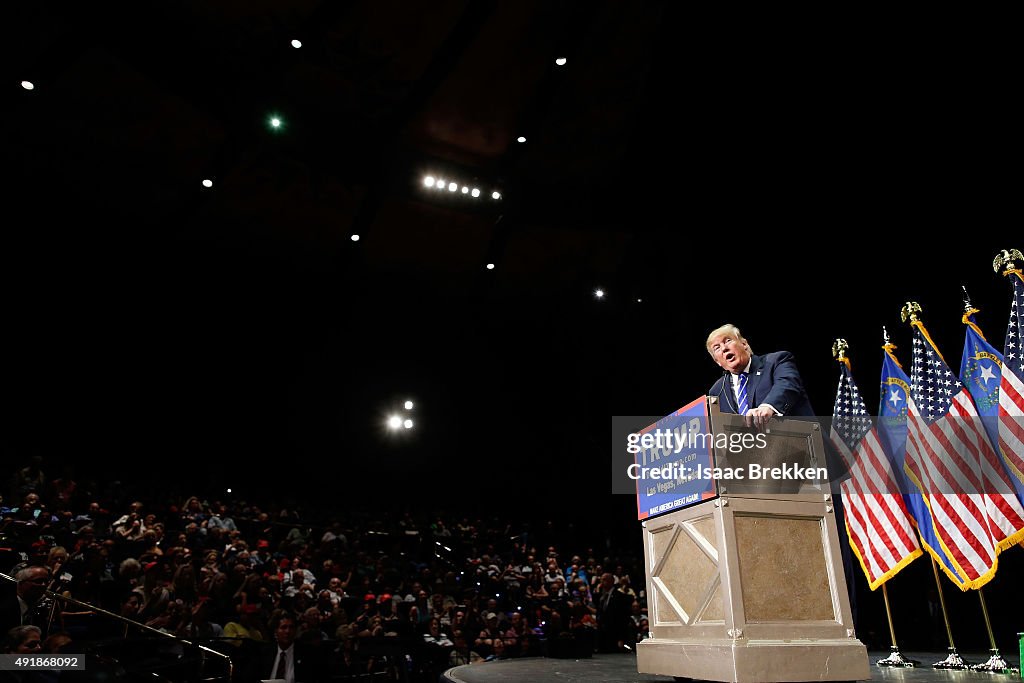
<point x="724" y="395"/>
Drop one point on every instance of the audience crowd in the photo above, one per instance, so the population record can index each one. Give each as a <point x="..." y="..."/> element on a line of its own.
<point x="399" y="596"/>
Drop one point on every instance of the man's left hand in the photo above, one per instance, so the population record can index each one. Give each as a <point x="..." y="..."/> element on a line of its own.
<point x="759" y="417"/>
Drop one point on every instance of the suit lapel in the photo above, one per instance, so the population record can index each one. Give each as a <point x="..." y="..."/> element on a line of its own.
<point x="754" y="381"/>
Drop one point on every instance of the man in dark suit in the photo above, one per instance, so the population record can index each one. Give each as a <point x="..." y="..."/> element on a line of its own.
<point x="770" y="386"/>
<point x="286" y="659"/>
<point x="772" y="383"/>
<point x="20" y="607"/>
<point x="613" y="620"/>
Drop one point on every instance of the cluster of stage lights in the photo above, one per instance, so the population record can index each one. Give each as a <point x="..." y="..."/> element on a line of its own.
<point x="453" y="187"/>
<point x="396" y="421"/>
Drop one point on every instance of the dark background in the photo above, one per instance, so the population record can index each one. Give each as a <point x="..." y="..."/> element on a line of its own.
<point x="799" y="176"/>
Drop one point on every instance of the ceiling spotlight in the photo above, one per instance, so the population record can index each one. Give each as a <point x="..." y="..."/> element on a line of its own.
<point x="355" y="238"/>
<point x="475" y="192"/>
<point x="429" y="181"/>
<point x="560" y="61"/>
<point x="465" y="190"/>
<point x="521" y="139"/>
<point x="207" y="182"/>
<point x="394" y="422"/>
<point x="408" y="405"/>
<point x="495" y="195"/>
<point x="639" y="301"/>
<point x="28" y="85"/>
<point x="407" y="424"/>
<point x="599" y="293"/>
<point x="275" y="123"/>
<point x="490" y="266"/>
<point x="296" y="43"/>
<point x="440" y="183"/>
<point x="452" y="187"/>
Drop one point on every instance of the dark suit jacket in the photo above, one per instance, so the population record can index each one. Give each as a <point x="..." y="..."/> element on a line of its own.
<point x="10" y="612"/>
<point x="310" y="664"/>
<point x="774" y="380"/>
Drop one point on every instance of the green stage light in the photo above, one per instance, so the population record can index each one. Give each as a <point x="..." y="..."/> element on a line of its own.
<point x="275" y="123"/>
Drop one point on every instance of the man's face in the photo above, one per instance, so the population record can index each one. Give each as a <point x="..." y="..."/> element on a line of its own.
<point x="33" y="586"/>
<point x="730" y="352"/>
<point x="285" y="632"/>
<point x="30" y="645"/>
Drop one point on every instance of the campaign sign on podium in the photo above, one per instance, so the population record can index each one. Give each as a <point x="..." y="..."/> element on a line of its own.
<point x="672" y="459"/>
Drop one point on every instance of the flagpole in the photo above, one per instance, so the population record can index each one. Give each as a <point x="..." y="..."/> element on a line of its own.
<point x="1007" y="261"/>
<point x="895" y="657"/>
<point x="995" y="663"/>
<point x="953" y="660"/>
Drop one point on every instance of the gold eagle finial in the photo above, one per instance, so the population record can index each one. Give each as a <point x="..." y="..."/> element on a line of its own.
<point x="839" y="347"/>
<point x="910" y="311"/>
<point x="1005" y="259"/>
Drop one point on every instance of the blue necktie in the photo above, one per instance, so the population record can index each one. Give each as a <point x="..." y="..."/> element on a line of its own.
<point x="741" y="395"/>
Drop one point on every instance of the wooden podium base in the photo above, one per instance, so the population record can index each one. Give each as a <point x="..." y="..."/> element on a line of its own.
<point x="755" y="660"/>
<point x="749" y="587"/>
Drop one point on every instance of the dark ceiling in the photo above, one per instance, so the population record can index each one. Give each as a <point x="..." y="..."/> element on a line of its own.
<point x="801" y="183"/>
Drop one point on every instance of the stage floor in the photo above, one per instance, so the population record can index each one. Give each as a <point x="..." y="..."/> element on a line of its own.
<point x="622" y="669"/>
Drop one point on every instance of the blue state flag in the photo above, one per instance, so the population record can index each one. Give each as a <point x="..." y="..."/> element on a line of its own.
<point x="892" y="433"/>
<point x="981" y="372"/>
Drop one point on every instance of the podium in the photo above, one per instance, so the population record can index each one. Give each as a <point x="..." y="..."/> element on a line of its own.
<point x="749" y="586"/>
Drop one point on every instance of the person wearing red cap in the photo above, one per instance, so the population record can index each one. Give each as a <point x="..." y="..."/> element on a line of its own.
<point x="261" y="559"/>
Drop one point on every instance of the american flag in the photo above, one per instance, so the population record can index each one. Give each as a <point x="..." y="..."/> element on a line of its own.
<point x="950" y="459"/>
<point x="877" y="521"/>
<point x="1011" y="386"/>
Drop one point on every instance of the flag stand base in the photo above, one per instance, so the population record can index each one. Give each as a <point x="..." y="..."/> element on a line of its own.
<point x="952" y="661"/>
<point x="995" y="664"/>
<point x="896" y="659"/>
